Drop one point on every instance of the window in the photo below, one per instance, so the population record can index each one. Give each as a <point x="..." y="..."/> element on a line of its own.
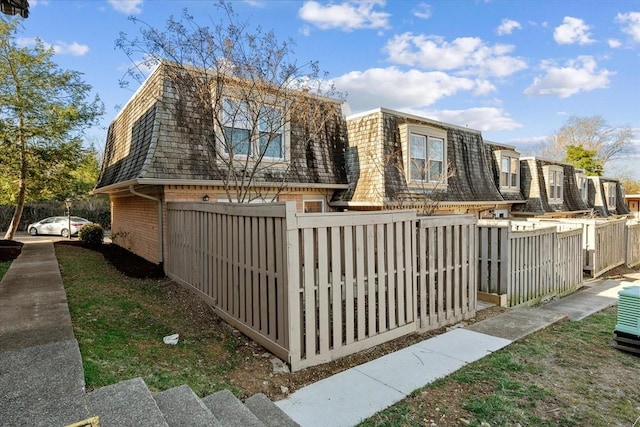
<point x="509" y="170"/>
<point x="583" y="186"/>
<point x="254" y="132"/>
<point x="554" y="176"/>
<point x="427" y="158"/>
<point x="610" y="193"/>
<point x="312" y="206"/>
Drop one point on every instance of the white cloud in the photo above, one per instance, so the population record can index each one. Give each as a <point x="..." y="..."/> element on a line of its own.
<point x="393" y="88"/>
<point x="127" y="6"/>
<point x="631" y="24"/>
<point x="579" y="75"/>
<point x="60" y="48"/>
<point x="74" y="49"/>
<point x="36" y="3"/>
<point x="572" y="31"/>
<point x="422" y="11"/>
<point x="346" y="16"/>
<point x="614" y="43"/>
<point x="484" y="119"/>
<point x="467" y="55"/>
<point x="507" y="26"/>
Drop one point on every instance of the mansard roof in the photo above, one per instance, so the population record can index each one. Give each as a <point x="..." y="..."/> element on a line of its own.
<point x="160" y="137"/>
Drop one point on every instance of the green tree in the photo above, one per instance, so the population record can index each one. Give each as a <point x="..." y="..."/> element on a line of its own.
<point x="592" y="134"/>
<point x="43" y="111"/>
<point x="585" y="159"/>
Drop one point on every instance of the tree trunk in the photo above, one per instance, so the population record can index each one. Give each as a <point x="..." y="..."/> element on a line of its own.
<point x="17" y="215"/>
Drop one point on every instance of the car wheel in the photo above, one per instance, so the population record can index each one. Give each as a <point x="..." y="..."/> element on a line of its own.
<point x="33" y="231"/>
<point x="64" y="233"/>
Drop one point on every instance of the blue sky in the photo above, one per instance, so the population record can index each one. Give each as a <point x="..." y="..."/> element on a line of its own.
<point x="515" y="70"/>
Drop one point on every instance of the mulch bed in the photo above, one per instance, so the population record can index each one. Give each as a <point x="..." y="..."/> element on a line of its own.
<point x="126" y="262"/>
<point x="9" y="250"/>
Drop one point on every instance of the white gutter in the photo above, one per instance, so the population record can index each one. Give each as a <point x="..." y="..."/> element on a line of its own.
<point x="160" y="223"/>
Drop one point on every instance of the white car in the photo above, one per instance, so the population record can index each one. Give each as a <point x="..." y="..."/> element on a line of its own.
<point x="57" y="225"/>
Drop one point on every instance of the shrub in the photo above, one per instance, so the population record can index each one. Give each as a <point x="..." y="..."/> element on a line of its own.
<point x="91" y="234"/>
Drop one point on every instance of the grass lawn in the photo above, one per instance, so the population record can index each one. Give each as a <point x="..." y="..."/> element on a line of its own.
<point x="119" y="323"/>
<point x="567" y="375"/>
<point x="4" y="266"/>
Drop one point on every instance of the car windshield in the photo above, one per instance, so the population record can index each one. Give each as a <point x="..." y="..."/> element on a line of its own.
<point x="78" y="219"/>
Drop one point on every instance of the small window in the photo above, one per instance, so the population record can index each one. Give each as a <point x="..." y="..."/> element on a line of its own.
<point x="583" y="186"/>
<point x="313" y="206"/>
<point x="610" y="193"/>
<point x="554" y="176"/>
<point x="509" y="162"/>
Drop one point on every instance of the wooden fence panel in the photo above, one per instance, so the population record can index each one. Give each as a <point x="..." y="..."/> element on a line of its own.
<point x="528" y="263"/>
<point x="446" y="249"/>
<point x="233" y="256"/>
<point x="633" y="243"/>
<point x="356" y="282"/>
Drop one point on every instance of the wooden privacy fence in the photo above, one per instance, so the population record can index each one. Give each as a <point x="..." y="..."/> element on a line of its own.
<point x="527" y="264"/>
<point x="633" y="243"/>
<point x="315" y="287"/>
<point x="604" y="241"/>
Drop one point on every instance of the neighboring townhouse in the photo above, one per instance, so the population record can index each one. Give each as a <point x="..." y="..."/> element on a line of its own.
<point x="633" y="203"/>
<point x="397" y="160"/>
<point x="606" y="196"/>
<point x="162" y="147"/>
<point x="552" y="189"/>
<point x="504" y="161"/>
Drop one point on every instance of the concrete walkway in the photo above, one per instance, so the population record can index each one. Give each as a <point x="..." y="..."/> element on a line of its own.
<point x="349" y="397"/>
<point x="39" y="356"/>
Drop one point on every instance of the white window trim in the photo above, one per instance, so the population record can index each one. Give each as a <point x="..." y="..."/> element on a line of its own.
<point x="583" y="186"/>
<point x="314" y="200"/>
<point x="405" y="136"/>
<point x="610" y="194"/>
<point x="511" y="155"/>
<point x="255" y="142"/>
<point x="554" y="171"/>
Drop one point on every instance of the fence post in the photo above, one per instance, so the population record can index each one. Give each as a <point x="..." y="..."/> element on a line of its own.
<point x="292" y="285"/>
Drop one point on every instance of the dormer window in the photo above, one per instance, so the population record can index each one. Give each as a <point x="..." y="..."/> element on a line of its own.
<point x="509" y="162"/>
<point x="426" y="153"/>
<point x="554" y="176"/>
<point x="254" y="131"/>
<point x="610" y="194"/>
<point x="583" y="186"/>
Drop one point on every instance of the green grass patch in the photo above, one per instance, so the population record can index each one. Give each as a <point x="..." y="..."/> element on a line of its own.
<point x="119" y="323"/>
<point x="4" y="266"/>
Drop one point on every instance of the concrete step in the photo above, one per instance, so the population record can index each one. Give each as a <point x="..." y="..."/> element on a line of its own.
<point x="180" y="407"/>
<point x="230" y="411"/>
<point x="127" y="403"/>
<point x="42" y="385"/>
<point x="267" y="412"/>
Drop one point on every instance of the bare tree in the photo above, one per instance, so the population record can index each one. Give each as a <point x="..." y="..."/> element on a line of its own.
<point x="246" y="92"/>
<point x="592" y="134"/>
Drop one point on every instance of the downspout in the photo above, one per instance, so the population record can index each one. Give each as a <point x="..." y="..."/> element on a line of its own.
<point x="160" y="223"/>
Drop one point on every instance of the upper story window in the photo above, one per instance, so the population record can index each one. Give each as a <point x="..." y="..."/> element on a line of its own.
<point x="509" y="170"/>
<point x="583" y="186"/>
<point x="254" y="131"/>
<point x="426" y="153"/>
<point x="555" y="180"/>
<point x="610" y="194"/>
<point x="313" y="205"/>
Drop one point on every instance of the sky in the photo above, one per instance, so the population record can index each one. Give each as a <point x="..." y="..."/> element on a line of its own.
<point x="514" y="70"/>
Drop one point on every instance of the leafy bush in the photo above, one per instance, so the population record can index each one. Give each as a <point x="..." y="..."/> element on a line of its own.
<point x="91" y="234"/>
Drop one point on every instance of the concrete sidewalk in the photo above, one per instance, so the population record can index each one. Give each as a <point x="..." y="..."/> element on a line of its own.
<point x="41" y="374"/>
<point x="349" y="397"/>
